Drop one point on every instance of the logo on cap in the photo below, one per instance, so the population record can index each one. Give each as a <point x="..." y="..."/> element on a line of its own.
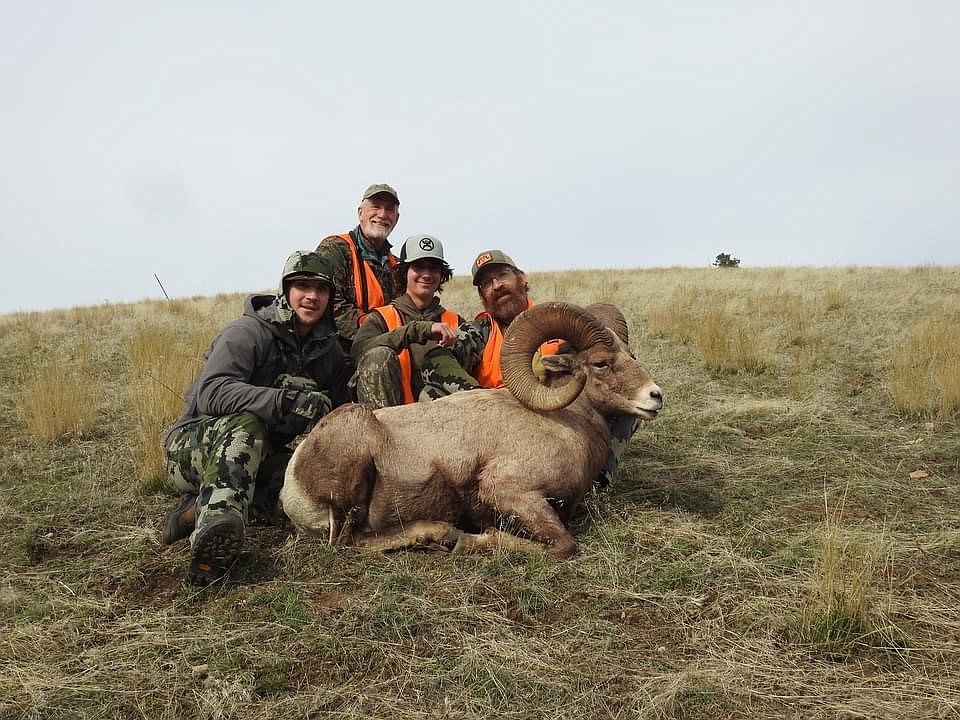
<point x="426" y="243"/>
<point x="484" y="258"/>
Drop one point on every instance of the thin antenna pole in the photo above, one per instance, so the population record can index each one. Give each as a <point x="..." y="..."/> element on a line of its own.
<point x="161" y="287"/>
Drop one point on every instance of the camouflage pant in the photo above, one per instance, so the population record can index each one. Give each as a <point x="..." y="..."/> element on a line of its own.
<point x="377" y="378"/>
<point x="218" y="459"/>
<point x="442" y="375"/>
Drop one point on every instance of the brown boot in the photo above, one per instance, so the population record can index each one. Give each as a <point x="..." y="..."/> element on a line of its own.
<point x="181" y="521"/>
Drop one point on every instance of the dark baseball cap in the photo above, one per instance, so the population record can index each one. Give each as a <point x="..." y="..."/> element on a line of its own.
<point x="490" y="257"/>
<point x="380" y="188"/>
<point x="303" y="265"/>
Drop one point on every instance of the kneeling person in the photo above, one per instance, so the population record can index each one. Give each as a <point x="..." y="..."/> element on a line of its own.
<point x="268" y="377"/>
<point x="393" y="339"/>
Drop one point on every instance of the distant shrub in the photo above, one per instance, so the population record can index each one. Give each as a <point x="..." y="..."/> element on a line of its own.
<point x="725" y="260"/>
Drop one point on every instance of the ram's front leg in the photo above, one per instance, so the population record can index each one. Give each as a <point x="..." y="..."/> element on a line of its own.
<point x="425" y="533"/>
<point x="494" y="539"/>
<point x="535" y="515"/>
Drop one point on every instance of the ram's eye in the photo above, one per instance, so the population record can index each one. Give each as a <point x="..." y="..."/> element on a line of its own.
<point x="602" y="365"/>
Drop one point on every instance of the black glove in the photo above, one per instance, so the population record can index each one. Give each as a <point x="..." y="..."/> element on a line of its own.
<point x="301" y="410"/>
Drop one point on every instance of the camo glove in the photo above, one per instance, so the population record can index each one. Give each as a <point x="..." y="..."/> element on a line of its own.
<point x="286" y="381"/>
<point x="301" y="409"/>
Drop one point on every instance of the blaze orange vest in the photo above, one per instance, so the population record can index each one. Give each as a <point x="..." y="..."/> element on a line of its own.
<point x="488" y="373"/>
<point x="366" y="287"/>
<point x="391" y="316"/>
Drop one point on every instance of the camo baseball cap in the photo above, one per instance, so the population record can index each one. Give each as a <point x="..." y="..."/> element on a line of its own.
<point x="302" y="265"/>
<point x="490" y="257"/>
<point x="380" y="188"/>
<point x="422" y="247"/>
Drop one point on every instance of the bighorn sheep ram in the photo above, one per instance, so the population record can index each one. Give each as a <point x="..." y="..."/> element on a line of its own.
<point x="525" y="456"/>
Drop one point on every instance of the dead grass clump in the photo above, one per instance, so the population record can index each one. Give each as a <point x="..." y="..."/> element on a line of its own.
<point x="25" y="330"/>
<point x="58" y="399"/>
<point x="925" y="377"/>
<point x="835" y="299"/>
<point x="841" y="614"/>
<point x="728" y="346"/>
<point x="58" y="396"/>
<point x="676" y="320"/>
<point x="165" y="360"/>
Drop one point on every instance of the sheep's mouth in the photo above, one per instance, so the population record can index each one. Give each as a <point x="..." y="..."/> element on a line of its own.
<point x="646" y="414"/>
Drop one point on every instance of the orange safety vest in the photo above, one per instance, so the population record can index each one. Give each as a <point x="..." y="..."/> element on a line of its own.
<point x="392" y="317"/>
<point x="366" y="287"/>
<point x="488" y="373"/>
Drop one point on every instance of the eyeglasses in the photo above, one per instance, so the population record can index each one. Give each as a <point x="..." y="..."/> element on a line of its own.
<point x="501" y="276"/>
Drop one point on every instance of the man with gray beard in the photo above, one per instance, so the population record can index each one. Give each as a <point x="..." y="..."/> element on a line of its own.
<point x="362" y="261"/>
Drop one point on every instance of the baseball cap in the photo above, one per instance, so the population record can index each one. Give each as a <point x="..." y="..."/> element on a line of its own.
<point x="377" y="189"/>
<point x="490" y="257"/>
<point x="422" y="247"/>
<point x="302" y="265"/>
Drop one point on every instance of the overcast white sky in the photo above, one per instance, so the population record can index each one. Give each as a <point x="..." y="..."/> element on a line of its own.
<point x="204" y="142"/>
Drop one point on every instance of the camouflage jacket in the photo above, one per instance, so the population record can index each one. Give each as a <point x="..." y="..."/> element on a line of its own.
<point x="472" y="337"/>
<point x="256" y="358"/>
<point x="345" y="311"/>
<point x="413" y="334"/>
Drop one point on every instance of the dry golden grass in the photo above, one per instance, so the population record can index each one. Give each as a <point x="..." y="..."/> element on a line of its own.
<point x="843" y="609"/>
<point x="782" y="542"/>
<point x="925" y="377"/>
<point x="165" y="357"/>
<point x="57" y="400"/>
<point x="58" y="396"/>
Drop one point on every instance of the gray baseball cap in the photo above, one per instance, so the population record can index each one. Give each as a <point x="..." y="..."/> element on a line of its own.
<point x="490" y="257"/>
<point x="422" y="247"/>
<point x="380" y="188"/>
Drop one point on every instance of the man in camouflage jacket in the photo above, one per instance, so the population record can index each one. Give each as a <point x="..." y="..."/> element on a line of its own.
<point x="268" y="377"/>
<point x="365" y="248"/>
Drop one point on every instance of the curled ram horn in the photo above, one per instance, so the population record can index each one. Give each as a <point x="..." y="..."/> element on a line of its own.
<point x="528" y="331"/>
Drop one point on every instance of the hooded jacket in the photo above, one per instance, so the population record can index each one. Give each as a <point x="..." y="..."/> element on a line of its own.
<point x="247" y="361"/>
<point x="414" y="334"/>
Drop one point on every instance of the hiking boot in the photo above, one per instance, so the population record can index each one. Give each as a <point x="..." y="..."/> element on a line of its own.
<point x="215" y="548"/>
<point x="181" y="521"/>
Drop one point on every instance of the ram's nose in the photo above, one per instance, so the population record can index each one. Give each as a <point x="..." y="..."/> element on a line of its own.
<point x="656" y="394"/>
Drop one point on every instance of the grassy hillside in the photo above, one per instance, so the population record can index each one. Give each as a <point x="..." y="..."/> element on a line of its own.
<point x="783" y="542"/>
